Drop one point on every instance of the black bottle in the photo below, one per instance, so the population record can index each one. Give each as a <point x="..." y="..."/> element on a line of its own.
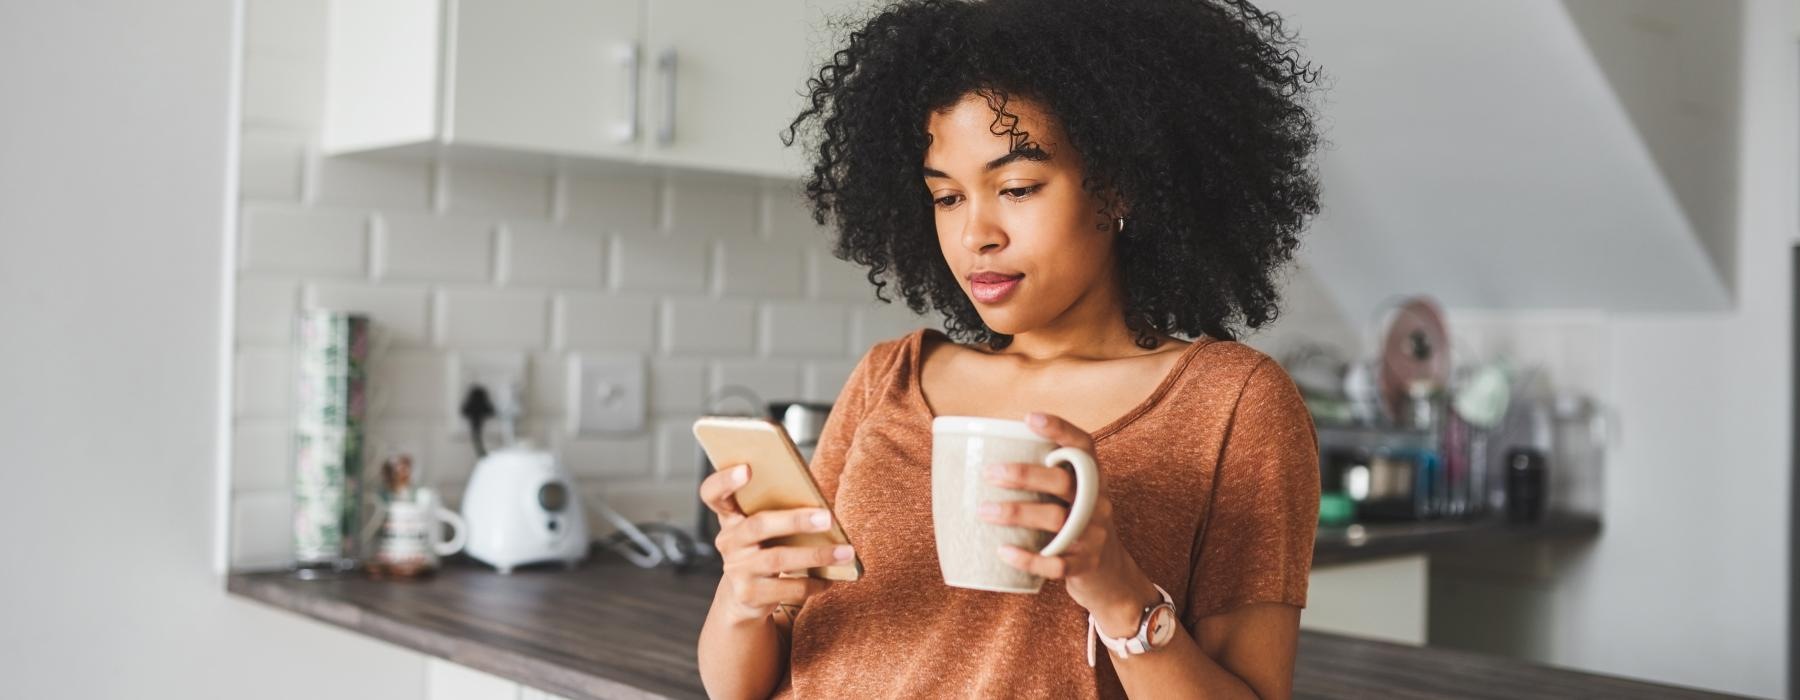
<point x="1525" y="477"/>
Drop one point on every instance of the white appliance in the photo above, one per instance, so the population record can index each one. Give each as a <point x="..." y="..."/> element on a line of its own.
<point x="522" y="508"/>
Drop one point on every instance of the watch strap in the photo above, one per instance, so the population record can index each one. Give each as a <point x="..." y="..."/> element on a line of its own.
<point x="1125" y="646"/>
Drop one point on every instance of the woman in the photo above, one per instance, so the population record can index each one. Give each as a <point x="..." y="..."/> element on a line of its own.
<point x="1100" y="176"/>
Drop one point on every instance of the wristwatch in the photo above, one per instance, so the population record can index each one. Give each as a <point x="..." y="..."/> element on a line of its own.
<point x="1155" y="628"/>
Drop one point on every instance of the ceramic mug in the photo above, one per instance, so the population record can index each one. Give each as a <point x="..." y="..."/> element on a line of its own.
<point x="411" y="539"/>
<point x="968" y="547"/>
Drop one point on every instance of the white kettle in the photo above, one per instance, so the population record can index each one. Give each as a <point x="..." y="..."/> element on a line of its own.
<point x="522" y="508"/>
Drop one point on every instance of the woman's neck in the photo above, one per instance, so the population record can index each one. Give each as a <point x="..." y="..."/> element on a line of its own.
<point x="1092" y="329"/>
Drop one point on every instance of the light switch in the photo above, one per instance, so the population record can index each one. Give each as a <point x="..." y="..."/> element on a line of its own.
<point x="607" y="393"/>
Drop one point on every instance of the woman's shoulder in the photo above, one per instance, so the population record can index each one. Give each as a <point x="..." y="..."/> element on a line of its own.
<point x="884" y="359"/>
<point x="1232" y="364"/>
<point x="1238" y="382"/>
<point x="887" y="354"/>
<point x="1264" y="397"/>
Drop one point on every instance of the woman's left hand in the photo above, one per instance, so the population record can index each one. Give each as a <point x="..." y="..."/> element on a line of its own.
<point x="1097" y="571"/>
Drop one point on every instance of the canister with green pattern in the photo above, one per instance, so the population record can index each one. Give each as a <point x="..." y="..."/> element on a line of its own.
<point x="330" y="380"/>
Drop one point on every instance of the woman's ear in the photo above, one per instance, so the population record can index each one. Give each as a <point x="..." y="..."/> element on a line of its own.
<point x="1112" y="209"/>
<point x="1118" y="212"/>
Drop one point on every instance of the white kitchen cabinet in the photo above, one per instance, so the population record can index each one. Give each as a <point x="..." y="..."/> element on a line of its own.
<point x="537" y="75"/>
<point x="549" y="75"/>
<point x="1383" y="599"/>
<point x="693" y="84"/>
<point x="734" y="70"/>
<point x="449" y="681"/>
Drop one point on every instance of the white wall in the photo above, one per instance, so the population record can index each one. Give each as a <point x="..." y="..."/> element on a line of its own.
<point x="1674" y="66"/>
<point x="114" y="184"/>
<point x="1689" y="582"/>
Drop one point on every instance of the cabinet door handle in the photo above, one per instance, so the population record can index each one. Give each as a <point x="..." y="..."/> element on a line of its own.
<point x="665" y="64"/>
<point x="627" y="130"/>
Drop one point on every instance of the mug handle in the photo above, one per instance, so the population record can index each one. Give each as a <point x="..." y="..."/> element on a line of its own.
<point x="459" y="531"/>
<point x="1087" y="483"/>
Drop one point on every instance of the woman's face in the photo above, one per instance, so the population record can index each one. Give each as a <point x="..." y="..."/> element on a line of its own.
<point x="1025" y="240"/>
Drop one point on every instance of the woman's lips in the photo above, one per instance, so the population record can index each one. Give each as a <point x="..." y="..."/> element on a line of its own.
<point x="993" y="290"/>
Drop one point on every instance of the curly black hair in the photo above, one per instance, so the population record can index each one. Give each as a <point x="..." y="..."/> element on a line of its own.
<point x="1196" y="114"/>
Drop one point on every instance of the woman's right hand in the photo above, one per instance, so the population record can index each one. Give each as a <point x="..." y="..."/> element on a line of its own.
<point x="751" y="566"/>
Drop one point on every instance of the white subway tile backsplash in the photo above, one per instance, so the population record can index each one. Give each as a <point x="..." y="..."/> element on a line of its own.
<point x="548" y="396"/>
<point x="287" y="239"/>
<point x="622" y="203"/>
<point x="260" y="453"/>
<point x="264" y="382"/>
<point x="708" y="326"/>
<point x="540" y="254"/>
<point x="400" y="314"/>
<point x="481" y="318"/>
<point x="265" y="309"/>
<point x="652" y="263"/>
<point x="823" y="380"/>
<point x="261" y="530"/>
<point x="496" y="192"/>
<point x="389" y="438"/>
<point x="677" y="386"/>
<point x="410" y="384"/>
<point x="678" y="454"/>
<point x="427" y="248"/>
<point x="272" y="164"/>
<point x="606" y="322"/>
<point x="873" y="324"/>
<point x="704" y="206"/>
<point x="786" y="216"/>
<point x="751" y="267"/>
<point x="770" y="380"/>
<point x="363" y="181"/>
<point x="716" y="280"/>
<point x="676" y="502"/>
<point x="453" y="458"/>
<point x="802" y="329"/>
<point x="625" y="456"/>
<point x="837" y="280"/>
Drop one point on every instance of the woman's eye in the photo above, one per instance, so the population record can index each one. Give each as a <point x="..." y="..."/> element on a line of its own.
<point x="946" y="200"/>
<point x="1020" y="192"/>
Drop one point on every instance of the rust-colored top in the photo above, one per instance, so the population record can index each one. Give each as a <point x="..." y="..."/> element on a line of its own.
<point x="1214" y="481"/>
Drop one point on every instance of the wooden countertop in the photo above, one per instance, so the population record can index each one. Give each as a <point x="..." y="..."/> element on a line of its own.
<point x="611" y="630"/>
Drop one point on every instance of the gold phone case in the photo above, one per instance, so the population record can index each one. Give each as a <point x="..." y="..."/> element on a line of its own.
<point x="779" y="480"/>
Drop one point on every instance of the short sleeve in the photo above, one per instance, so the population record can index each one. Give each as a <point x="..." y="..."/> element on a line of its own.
<point x="1256" y="543"/>
<point x="846" y="414"/>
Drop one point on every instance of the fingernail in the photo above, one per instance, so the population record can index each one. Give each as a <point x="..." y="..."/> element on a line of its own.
<point x="988" y="510"/>
<point x="821" y="520"/>
<point x="1037" y="420"/>
<point x="1006" y="552"/>
<point x="995" y="471"/>
<point x="740" y="474"/>
<point x="844" y="552"/>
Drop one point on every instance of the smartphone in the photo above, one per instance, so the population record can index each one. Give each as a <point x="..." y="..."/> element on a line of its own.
<point x="779" y="480"/>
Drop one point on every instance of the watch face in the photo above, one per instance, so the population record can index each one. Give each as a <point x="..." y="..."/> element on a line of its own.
<point x="1162" y="625"/>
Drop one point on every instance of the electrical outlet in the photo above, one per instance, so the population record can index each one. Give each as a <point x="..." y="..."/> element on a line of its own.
<point x="606" y="393"/>
<point x="502" y="373"/>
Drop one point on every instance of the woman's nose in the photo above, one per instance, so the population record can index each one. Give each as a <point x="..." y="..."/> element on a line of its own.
<point x="980" y="230"/>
